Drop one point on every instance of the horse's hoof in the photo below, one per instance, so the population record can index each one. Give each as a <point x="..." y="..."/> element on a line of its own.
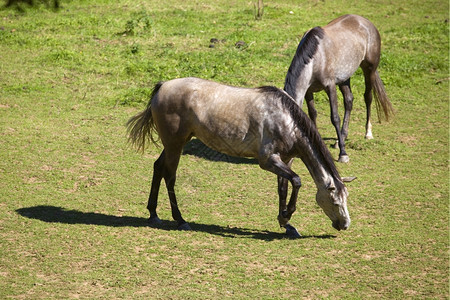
<point x="184" y="226"/>
<point x="291" y="232"/>
<point x="344" y="159"/>
<point x="154" y="221"/>
<point x="369" y="137"/>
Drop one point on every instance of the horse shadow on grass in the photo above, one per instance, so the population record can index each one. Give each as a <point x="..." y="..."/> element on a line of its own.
<point x="196" y="148"/>
<point x="55" y="214"/>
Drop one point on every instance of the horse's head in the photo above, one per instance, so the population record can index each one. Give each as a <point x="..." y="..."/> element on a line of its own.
<point x="333" y="201"/>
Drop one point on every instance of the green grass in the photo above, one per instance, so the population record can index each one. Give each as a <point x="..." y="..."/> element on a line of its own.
<point x="73" y="194"/>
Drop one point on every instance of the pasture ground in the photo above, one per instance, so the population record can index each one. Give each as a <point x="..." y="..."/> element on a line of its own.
<point x="73" y="194"/>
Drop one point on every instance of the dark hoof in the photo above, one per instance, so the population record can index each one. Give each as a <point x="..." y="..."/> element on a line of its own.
<point x="153" y="221"/>
<point x="291" y="232"/>
<point x="184" y="226"/>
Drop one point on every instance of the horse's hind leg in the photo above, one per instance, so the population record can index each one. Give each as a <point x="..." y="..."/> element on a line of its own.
<point x="369" y="78"/>
<point x="348" y="105"/>
<point x="172" y="159"/>
<point x="158" y="169"/>
<point x="165" y="167"/>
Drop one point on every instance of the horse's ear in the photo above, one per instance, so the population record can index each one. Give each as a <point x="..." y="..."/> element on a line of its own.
<point x="348" y="179"/>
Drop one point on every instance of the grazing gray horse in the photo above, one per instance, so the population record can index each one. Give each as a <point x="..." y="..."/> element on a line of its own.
<point x="264" y="123"/>
<point x="328" y="56"/>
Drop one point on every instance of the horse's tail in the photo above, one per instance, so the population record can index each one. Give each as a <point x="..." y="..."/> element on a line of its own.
<point x="381" y="99"/>
<point x="140" y="126"/>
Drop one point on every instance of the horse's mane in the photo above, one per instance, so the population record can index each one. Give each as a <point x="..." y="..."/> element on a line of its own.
<point x="305" y="51"/>
<point x="307" y="127"/>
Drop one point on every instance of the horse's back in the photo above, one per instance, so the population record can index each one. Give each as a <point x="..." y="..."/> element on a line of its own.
<point x="350" y="20"/>
<point x="349" y="40"/>
<point x="201" y="98"/>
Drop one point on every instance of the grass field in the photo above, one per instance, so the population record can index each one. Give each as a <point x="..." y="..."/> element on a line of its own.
<point x="73" y="194"/>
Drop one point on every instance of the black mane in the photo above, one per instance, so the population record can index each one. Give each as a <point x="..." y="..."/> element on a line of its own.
<point x="306" y="126"/>
<point x="305" y="51"/>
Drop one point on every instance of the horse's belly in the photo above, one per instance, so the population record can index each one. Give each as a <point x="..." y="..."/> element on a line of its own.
<point x="346" y="70"/>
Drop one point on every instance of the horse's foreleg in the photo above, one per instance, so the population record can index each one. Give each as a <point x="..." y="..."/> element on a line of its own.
<point x="348" y="105"/>
<point x="335" y="120"/>
<point x="286" y="215"/>
<point x="285" y="174"/>
<point x="158" y="168"/>
<point x="282" y="193"/>
<point x="312" y="112"/>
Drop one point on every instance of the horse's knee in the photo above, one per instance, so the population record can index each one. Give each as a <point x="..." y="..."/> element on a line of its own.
<point x="296" y="182"/>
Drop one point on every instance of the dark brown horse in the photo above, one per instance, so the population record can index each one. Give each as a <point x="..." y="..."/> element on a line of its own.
<point x="328" y="56"/>
<point x="264" y="123"/>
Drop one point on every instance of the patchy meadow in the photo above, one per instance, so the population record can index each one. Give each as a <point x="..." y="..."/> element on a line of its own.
<point x="73" y="193"/>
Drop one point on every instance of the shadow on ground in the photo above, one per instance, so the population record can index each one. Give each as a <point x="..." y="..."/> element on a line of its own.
<point x="54" y="214"/>
<point x="197" y="148"/>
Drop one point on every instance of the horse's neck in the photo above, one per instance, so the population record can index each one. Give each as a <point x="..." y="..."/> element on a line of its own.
<point x="317" y="167"/>
<point x="300" y="84"/>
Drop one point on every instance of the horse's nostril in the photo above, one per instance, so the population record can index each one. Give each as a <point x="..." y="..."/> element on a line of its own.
<point x="345" y="225"/>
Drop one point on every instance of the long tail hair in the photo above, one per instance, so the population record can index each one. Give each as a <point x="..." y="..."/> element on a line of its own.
<point x="381" y="99"/>
<point x="140" y="126"/>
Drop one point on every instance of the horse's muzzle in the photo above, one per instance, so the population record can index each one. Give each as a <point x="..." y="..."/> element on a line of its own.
<point x="339" y="225"/>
